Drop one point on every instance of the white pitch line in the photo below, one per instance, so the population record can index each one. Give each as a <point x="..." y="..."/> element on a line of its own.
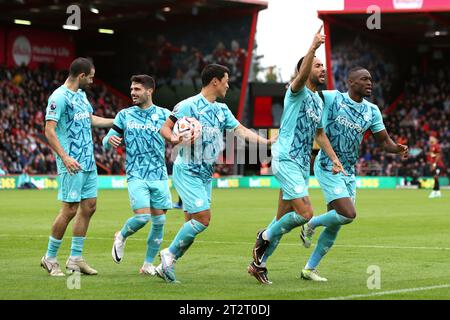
<point x="389" y="247"/>
<point x="244" y="243"/>
<point x="383" y="293"/>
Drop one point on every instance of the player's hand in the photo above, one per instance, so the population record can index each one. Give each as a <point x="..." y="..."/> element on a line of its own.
<point x="318" y="39"/>
<point x="71" y="164"/>
<point x="174" y="139"/>
<point x="115" y="141"/>
<point x="403" y="150"/>
<point x="337" y="167"/>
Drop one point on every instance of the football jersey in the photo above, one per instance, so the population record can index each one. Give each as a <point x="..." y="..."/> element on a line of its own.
<point x="72" y="111"/>
<point x="345" y="121"/>
<point x="300" y="119"/>
<point x="215" y="118"/>
<point x="144" y="145"/>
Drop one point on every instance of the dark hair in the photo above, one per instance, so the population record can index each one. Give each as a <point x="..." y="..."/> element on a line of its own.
<point x="147" y="81"/>
<point x="212" y="71"/>
<point x="299" y="63"/>
<point x="79" y="66"/>
<point x="355" y="69"/>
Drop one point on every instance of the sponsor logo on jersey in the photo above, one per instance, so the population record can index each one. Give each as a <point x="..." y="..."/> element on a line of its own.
<point x="349" y="124"/>
<point x="141" y="126"/>
<point x="81" y="115"/>
<point x="310" y="113"/>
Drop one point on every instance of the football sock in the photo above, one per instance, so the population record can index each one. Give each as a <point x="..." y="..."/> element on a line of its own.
<point x="52" y="248"/>
<point x="77" y="247"/>
<point x="324" y="243"/>
<point x="276" y="230"/>
<point x="286" y="223"/>
<point x="155" y="237"/>
<point x="133" y="224"/>
<point x="185" y="237"/>
<point x="328" y="219"/>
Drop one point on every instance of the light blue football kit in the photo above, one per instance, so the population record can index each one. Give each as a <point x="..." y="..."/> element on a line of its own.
<point x="194" y="165"/>
<point x="72" y="112"/>
<point x="146" y="170"/>
<point x="291" y="160"/>
<point x="145" y="155"/>
<point x="292" y="152"/>
<point x="345" y="122"/>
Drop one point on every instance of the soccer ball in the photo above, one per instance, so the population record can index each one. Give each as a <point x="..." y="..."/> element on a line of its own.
<point x="186" y="127"/>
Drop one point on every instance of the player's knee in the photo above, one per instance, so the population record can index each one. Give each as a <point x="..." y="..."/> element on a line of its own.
<point x="348" y="213"/>
<point x="205" y="221"/>
<point x="69" y="211"/>
<point x="91" y="209"/>
<point x="307" y="213"/>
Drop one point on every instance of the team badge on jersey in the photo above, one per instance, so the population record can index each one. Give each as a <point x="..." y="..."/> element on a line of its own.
<point x="155" y="117"/>
<point x="220" y="117"/>
<point x="366" y="117"/>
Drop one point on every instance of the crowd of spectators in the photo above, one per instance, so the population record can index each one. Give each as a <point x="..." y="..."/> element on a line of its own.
<point x="380" y="62"/>
<point x="423" y="113"/>
<point x="182" y="65"/>
<point x="23" y="98"/>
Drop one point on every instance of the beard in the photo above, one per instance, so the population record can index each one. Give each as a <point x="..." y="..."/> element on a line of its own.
<point x="83" y="86"/>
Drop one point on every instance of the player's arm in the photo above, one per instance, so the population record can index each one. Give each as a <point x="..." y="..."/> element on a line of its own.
<point x="252" y="137"/>
<point x="113" y="138"/>
<point x="324" y="144"/>
<point x="115" y="134"/>
<point x="99" y="122"/>
<point x="300" y="80"/>
<point x="71" y="164"/>
<point x="387" y="144"/>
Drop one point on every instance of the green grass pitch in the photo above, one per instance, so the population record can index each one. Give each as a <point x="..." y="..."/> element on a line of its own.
<point x="402" y="232"/>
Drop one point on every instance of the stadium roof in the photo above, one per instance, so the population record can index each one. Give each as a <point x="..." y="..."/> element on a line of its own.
<point x="119" y="13"/>
<point x="401" y="28"/>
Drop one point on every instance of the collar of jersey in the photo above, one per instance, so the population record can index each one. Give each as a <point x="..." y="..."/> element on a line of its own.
<point x="145" y="110"/>
<point x="358" y="106"/>
<point x="206" y="100"/>
<point x="70" y="91"/>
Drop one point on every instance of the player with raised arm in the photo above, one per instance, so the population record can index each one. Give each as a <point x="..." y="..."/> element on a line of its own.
<point x="69" y="118"/>
<point x="194" y="165"/>
<point x="300" y="124"/>
<point x="148" y="188"/>
<point x="347" y="116"/>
